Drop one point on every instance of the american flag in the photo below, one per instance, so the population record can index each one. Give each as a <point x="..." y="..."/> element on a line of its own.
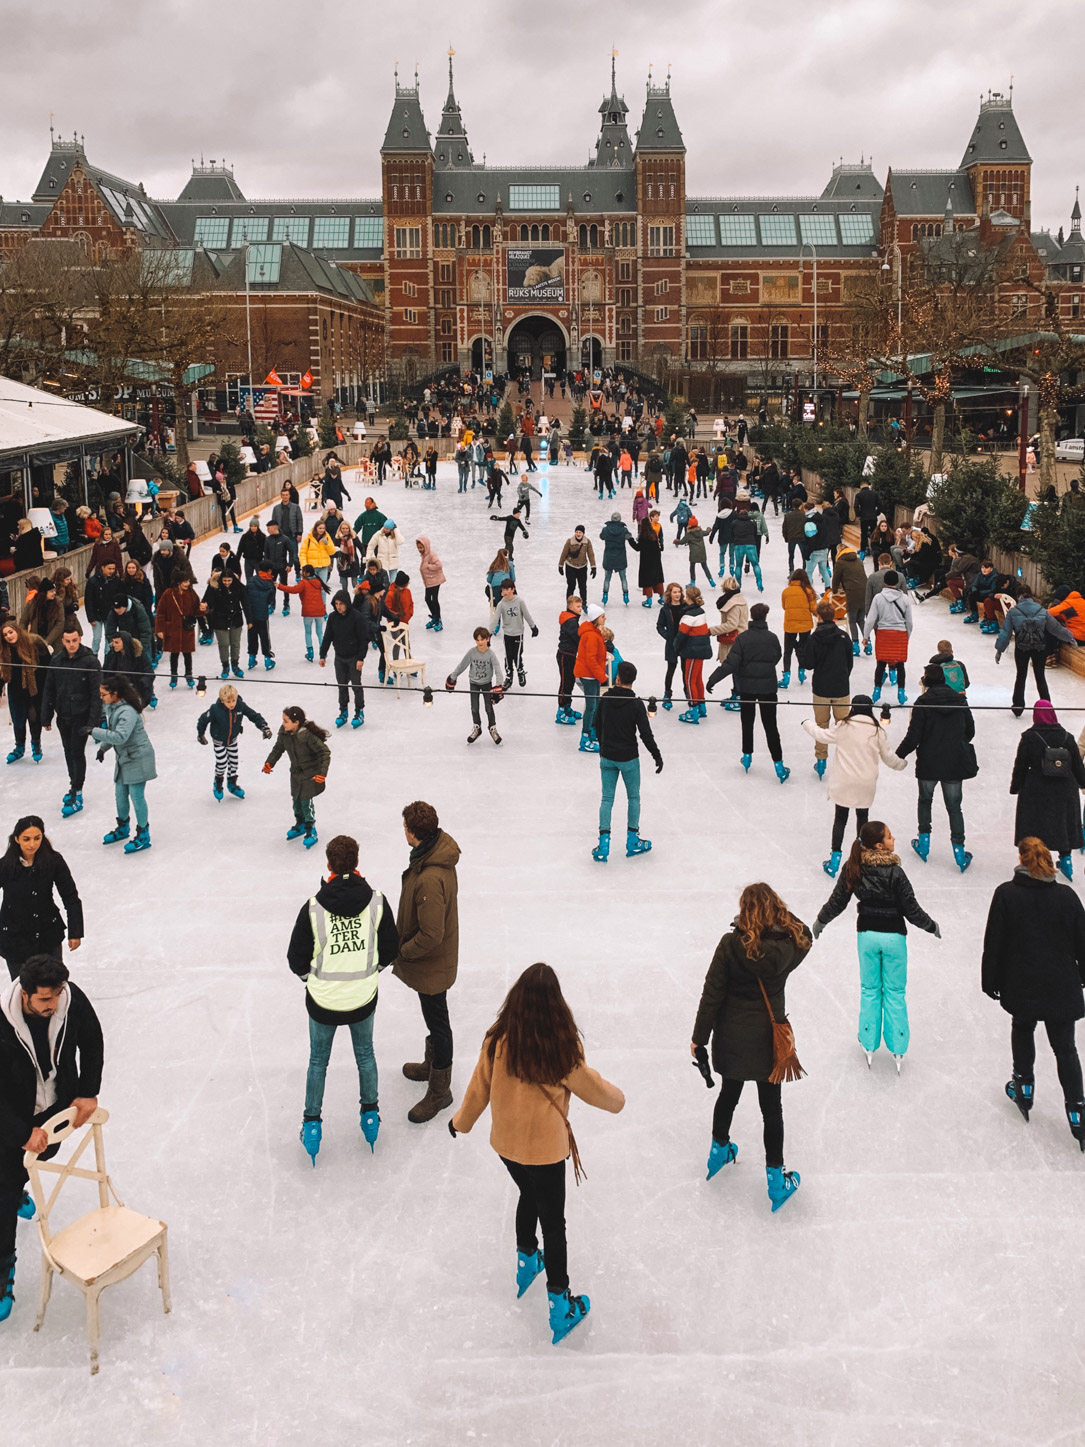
<point x="265" y="403"/>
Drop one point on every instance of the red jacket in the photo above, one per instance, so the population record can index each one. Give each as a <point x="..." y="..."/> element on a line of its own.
<point x="591" y="654"/>
<point x="312" y="596"/>
<point x="398" y="604"/>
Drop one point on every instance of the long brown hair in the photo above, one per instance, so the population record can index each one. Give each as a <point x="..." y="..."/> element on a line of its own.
<point x="542" y="1042"/>
<point x="760" y="908"/>
<point x="871" y="834"/>
<point x="1036" y="857"/>
<point x="802" y="577"/>
<point x="23" y="651"/>
<point x="500" y="563"/>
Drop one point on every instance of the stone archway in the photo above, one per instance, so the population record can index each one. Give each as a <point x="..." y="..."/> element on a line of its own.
<point x="537" y="342"/>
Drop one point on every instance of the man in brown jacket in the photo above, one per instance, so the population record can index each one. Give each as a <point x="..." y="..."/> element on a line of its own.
<point x="429" y="941"/>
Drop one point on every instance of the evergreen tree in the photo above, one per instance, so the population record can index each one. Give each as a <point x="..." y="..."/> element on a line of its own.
<point x="577" y="425"/>
<point x="506" y="421"/>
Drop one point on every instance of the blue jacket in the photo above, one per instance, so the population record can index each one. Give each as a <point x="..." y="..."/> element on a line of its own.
<point x="682" y="512"/>
<point x="615" y="535"/>
<point x="1029" y="624"/>
<point x="260" y="594"/>
<point x="226" y="723"/>
<point x="122" y="731"/>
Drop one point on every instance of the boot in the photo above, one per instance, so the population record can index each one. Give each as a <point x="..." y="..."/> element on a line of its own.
<point x="310" y="836"/>
<point x="634" y="844"/>
<point x="802" y="675"/>
<point x="957" y="607"/>
<point x="747" y="760"/>
<point x="476" y="733"/>
<point x="691" y="716"/>
<point x="868" y="648"/>
<point x="438" y="627"/>
<point x="603" y="599"/>
<point x="27" y="1210"/>
<point x="216" y="788"/>
<point x="702" y="709"/>
<point x="1075" y="1116"/>
<point x="876" y="696"/>
<point x="252" y="661"/>
<point x="521" y="677"/>
<point x="625" y="597"/>
<point x="309" y="655"/>
<point x="720" y="1156"/>
<point x="73" y="806"/>
<point x="141" y="841"/>
<point x="962" y="856"/>
<point x="437" y="1097"/>
<point x="296" y="830"/>
<point x="310" y="1138"/>
<point x="819" y="768"/>
<point x="647" y="603"/>
<point x="16" y="754"/>
<point x="1066" y="865"/>
<point x="972" y="618"/>
<point x="116" y="835"/>
<point x="527" y="1268"/>
<point x="269" y="661"/>
<point x="494" y="734"/>
<point x="421" y="1070"/>
<point x="1021" y="1092"/>
<point x="855" y="648"/>
<point x="566" y="1312"/>
<point x="173" y="681"/>
<point x="370" y="1123"/>
<point x="781" y="773"/>
<point x="782" y="1185"/>
<point x="341" y="718"/>
<point x="235" y="788"/>
<point x="588" y="745"/>
<point x="922" y="846"/>
<point x="7" y="1286"/>
<point x="601" y="852"/>
<point x="35" y="750"/>
<point x="785" y="679"/>
<point x="358" y="719"/>
<point x="668" y="702"/>
<point x="225" y="673"/>
<point x="832" y="864"/>
<point x="902" y="697"/>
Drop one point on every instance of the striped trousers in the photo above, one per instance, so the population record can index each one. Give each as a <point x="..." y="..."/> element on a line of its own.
<point x="225" y="759"/>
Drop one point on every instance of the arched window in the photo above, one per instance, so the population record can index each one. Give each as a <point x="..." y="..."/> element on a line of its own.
<point x="535" y="233"/>
<point x="582" y="236"/>
<point x="524" y="234"/>
<point x="476" y="238"/>
<point x="593" y="236"/>
<point x="486" y="238"/>
<point x="453" y="235"/>
<point x="544" y="234"/>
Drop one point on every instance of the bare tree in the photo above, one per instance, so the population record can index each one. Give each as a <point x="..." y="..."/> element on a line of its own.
<point x="44" y="292"/>
<point x="861" y="336"/>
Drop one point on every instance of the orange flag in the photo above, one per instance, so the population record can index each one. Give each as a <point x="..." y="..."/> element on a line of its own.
<point x="273" y="379"/>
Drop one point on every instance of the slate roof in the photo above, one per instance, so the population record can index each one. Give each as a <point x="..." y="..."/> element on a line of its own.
<point x="924" y="193"/>
<point x="210" y="184"/>
<point x="24" y="213"/>
<point x="607" y="189"/>
<point x="406" y="125"/>
<point x="300" y="271"/>
<point x="659" y="129"/>
<point x="127" y="201"/>
<point x="853" y="181"/>
<point x="996" y="136"/>
<point x="451" y="145"/>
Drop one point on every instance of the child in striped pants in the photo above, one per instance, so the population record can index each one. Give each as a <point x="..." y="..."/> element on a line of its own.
<point x="227" y="719"/>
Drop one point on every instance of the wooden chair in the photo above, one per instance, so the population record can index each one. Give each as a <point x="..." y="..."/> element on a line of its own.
<point x="395" y="669"/>
<point x="101" y="1248"/>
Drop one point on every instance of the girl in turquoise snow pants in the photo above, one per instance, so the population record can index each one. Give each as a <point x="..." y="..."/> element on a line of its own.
<point x="883" y="978"/>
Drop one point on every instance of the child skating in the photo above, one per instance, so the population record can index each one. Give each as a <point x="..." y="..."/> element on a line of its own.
<point x="226" y="718"/>
<point x="483" y="675"/>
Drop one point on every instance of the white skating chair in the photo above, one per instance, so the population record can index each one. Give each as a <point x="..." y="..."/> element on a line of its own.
<point x="403" y="667"/>
<point x="101" y="1248"/>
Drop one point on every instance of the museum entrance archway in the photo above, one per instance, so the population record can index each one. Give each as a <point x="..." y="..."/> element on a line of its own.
<point x="537" y="344"/>
<point x="591" y="353"/>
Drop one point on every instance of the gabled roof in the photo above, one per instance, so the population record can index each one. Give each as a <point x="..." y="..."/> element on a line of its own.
<point x="1046" y="246"/>
<point x="924" y="193"/>
<point x="127" y="201"/>
<point x="659" y="129"/>
<point x="63" y="155"/>
<point x="406" y="125"/>
<point x="23" y="213"/>
<point x="594" y="190"/>
<point x="996" y="136"/>
<point x="853" y="181"/>
<point x="211" y="183"/>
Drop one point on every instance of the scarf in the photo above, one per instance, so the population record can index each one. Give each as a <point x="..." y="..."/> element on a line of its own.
<point x="45" y="1089"/>
<point x="423" y="847"/>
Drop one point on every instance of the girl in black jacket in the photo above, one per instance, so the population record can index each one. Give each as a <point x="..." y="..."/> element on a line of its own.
<point x="1047" y="774"/>
<point x="743" y="994"/>
<point x="940" y="732"/>
<point x="1034" y="965"/>
<point x="886" y="899"/>
<point x="30" y="923"/>
<point x="667" y="621"/>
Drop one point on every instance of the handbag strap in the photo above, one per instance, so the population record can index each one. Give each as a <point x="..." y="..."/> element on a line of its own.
<point x="764" y="996"/>
<point x="578" y="1170"/>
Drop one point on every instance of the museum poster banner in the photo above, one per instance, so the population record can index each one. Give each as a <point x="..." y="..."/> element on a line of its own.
<point x="535" y="274"/>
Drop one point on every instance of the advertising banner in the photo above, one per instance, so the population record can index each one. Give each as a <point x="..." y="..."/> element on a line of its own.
<point x="535" y="274"/>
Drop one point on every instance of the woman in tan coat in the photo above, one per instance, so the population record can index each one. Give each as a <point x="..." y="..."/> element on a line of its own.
<point x="532" y="1061"/>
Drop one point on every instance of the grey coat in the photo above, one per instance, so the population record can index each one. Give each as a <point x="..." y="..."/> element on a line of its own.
<point x="122" y="731"/>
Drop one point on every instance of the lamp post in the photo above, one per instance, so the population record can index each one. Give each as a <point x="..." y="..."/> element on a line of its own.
<point x="895" y="248"/>
<point x="808" y="246"/>
<point x="248" y="323"/>
<point x="1022" y="439"/>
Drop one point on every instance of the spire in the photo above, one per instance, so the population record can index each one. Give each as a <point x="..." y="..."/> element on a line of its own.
<point x="996" y="137"/>
<point x="406" y="125"/>
<point x="613" y="148"/>
<point x="1075" y="214"/>
<point x="451" y="143"/>
<point x="947" y="220"/>
<point x="659" y="130"/>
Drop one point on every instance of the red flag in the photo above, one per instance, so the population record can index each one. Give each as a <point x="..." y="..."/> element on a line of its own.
<point x="273" y="379"/>
<point x="307" y="379"/>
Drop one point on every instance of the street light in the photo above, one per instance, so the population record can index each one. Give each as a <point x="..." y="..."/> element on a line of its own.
<point x="807" y="246"/>
<point x="886" y="267"/>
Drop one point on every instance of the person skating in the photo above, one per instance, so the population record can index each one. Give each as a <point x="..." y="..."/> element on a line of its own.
<point x="667" y="620"/>
<point x="800" y="617"/>
<point x="433" y="575"/>
<point x="226" y="718"/>
<point x="745" y="534"/>
<point x="343" y="936"/>
<point x="30" y="922"/>
<point x="884" y="895"/>
<point x="290" y="525"/>
<point x="1032" y="628"/>
<point x="889" y="619"/>
<point x="752" y="661"/>
<point x="305" y="744"/>
<point x="615" y="537"/>
<point x="1034" y="966"/>
<point x="694" y="539"/>
<point x="102" y="585"/>
<point x="51" y="1057"/>
<point x="831" y="661"/>
<point x="680" y="517"/>
<point x="743" y="995"/>
<point x="346" y="634"/>
<point x="511" y="615"/>
<point x="619" y="717"/>
<point x="531" y="1063"/>
<point x="953" y="670"/>
<point x="175" y="622"/>
<point x="260" y="597"/>
<point x="1048" y="774"/>
<point x="693" y="646"/>
<point x="227" y="611"/>
<point x="590" y="671"/>
<point x="513" y="525"/>
<point x="576" y="557"/>
<point x="734" y="619"/>
<point x="122" y="731"/>
<point x="568" y="643"/>
<point x="427" y="921"/>
<point x="524" y="489"/>
<point x="860" y="745"/>
<point x="484" y="678"/>
<point x="649" y="544"/>
<point x="940" y="733"/>
<point x="849" y="578"/>
<point x="312" y="589"/>
<point x="70" y="695"/>
<point x="721" y="534"/>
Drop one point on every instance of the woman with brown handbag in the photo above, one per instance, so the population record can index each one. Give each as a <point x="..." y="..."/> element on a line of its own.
<point x="743" y="1010"/>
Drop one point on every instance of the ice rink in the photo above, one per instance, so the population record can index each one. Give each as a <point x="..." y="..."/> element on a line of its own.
<point x="925" y="1286"/>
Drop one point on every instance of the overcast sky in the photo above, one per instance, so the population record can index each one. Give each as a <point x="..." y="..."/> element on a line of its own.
<point x="297" y="95"/>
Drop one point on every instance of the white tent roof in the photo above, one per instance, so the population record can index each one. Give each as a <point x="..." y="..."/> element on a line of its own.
<point x="33" y="421"/>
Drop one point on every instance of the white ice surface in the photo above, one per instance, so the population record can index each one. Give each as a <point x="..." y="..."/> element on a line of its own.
<point x="924" y="1287"/>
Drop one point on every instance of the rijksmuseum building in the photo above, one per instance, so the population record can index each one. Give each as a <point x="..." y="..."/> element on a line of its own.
<point x="616" y="260"/>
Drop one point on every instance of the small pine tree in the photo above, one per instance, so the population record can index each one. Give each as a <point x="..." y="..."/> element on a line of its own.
<point x="506" y="421"/>
<point x="233" y="468"/>
<point x="965" y="500"/>
<point x="399" y="431"/>
<point x="577" y="425"/>
<point x="303" y="443"/>
<point x="674" y="418"/>
<point x="326" y="431"/>
<point x="1057" y="543"/>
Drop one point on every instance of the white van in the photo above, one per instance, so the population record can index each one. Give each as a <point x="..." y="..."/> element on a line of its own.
<point x="1070" y="449"/>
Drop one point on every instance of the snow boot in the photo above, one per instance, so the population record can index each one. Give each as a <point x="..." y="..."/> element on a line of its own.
<point x="252" y="661"/>
<point x="234" y="788"/>
<point x="747" y="760"/>
<point x="341" y="718"/>
<point x="296" y="830"/>
<point x="781" y="773"/>
<point x="720" y="1156"/>
<point x="116" y="835"/>
<point x="819" y="767"/>
<point x="566" y="1312"/>
<point x="358" y="719"/>
<point x="902" y="697"/>
<point x="16" y="754"/>
<point x="494" y="734"/>
<point x="370" y="1123"/>
<point x="527" y="1268"/>
<point x="309" y="1135"/>
<point x="310" y="836"/>
<point x="922" y="846"/>
<point x="419" y="1070"/>
<point x="216" y="788"/>
<point x="1066" y="866"/>
<point x="634" y="844"/>
<point x="309" y="655"/>
<point x="476" y="733"/>
<point x="1075" y="1116"/>
<point x="692" y="715"/>
<point x="1021" y="1092"/>
<point x="588" y="744"/>
<point x="785" y="679"/>
<point x="855" y="648"/>
<point x="141" y="841"/>
<point x="438" y="1096"/>
<point x="7" y="1286"/>
<point x="601" y="852"/>
<point x="74" y="805"/>
<point x="782" y="1185"/>
<point x="269" y="661"/>
<point x="832" y="864"/>
<point x="962" y="856"/>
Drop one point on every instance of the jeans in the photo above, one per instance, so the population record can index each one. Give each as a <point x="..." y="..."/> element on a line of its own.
<point x="349" y="675"/>
<point x="883" y="976"/>
<point x="1060" y="1034"/>
<point x="749" y="703"/>
<point x="840" y="708"/>
<point x="629" y="772"/>
<point x="131" y="796"/>
<point x="590" y="687"/>
<point x="321" y="1037"/>
<point x="576" y="580"/>
<point x="952" y="794"/>
<point x="435" y="1014"/>
<point x="608" y="573"/>
<point x="1022" y="657"/>
<point x="542" y="1206"/>
<point x="97" y="633"/>
<point x="566" y="665"/>
<point x="75" y="751"/>
<point x="229" y="642"/>
<point x="314" y="631"/>
<point x="769" y="1099"/>
<point x="324" y="573"/>
<point x="840" y="823"/>
<point x="486" y="696"/>
<point x="23" y="711"/>
<point x="433" y="602"/>
<point x="726" y="569"/>
<point x="746" y="553"/>
<point x="819" y="559"/>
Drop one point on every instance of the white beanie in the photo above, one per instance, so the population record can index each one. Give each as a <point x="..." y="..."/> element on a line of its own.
<point x="594" y="612"/>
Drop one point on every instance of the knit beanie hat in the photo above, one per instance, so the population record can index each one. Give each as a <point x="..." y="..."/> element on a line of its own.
<point x="615" y="517"/>
<point x="594" y="612"/>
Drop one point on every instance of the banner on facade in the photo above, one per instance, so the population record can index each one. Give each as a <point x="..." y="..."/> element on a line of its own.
<point x="535" y="274"/>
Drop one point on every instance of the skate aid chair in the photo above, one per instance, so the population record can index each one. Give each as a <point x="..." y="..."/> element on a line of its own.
<point x="101" y="1248"/>
<point x="399" y="636"/>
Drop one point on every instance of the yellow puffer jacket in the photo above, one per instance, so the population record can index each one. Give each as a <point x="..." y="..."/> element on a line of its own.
<point x="317" y="551"/>
<point x="799" y="608"/>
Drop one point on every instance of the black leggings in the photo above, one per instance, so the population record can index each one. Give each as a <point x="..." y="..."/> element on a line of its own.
<point x="797" y="643"/>
<point x="840" y="823"/>
<point x="566" y="664"/>
<point x="1060" y="1033"/>
<point x="175" y="658"/>
<point x="435" y="1014"/>
<point x="433" y="602"/>
<point x="879" y="673"/>
<point x="672" y="664"/>
<point x="749" y="703"/>
<point x="542" y="1205"/>
<point x="768" y="1098"/>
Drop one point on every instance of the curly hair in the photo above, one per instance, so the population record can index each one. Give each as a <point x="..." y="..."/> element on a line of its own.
<point x="760" y="909"/>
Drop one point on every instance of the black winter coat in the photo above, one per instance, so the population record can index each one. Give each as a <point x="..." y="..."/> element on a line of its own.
<point x="830" y="532"/>
<point x="884" y="894"/>
<point x="743" y="530"/>
<point x="81" y="1036"/>
<point x="252" y="546"/>
<point x="30" y="922"/>
<point x="346" y="633"/>
<point x="346" y="895"/>
<point x="227" y="606"/>
<point x="667" y="621"/>
<point x="133" y="663"/>
<point x="1034" y="949"/>
<point x="753" y="659"/>
<point x="134" y="621"/>
<point x="1049" y="808"/>
<point x="569" y="635"/>
<point x="732" y="1008"/>
<point x="830" y="657"/>
<point x="98" y="594"/>
<point x="138" y="546"/>
<point x="70" y="691"/>
<point x="940" y="732"/>
<point x="227" y="724"/>
<point x="649" y="545"/>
